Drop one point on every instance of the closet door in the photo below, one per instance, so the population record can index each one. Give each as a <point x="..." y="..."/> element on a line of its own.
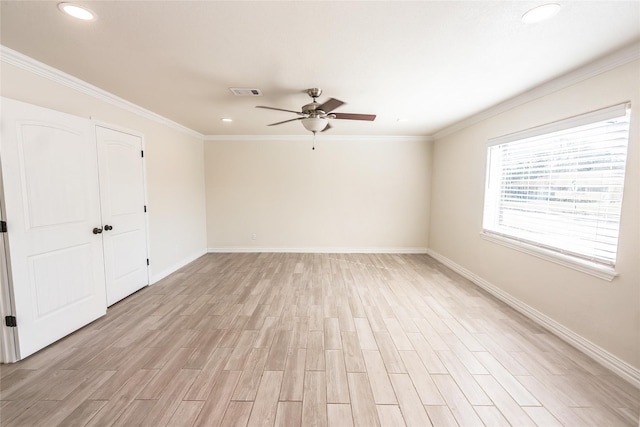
<point x="122" y="201"/>
<point x="52" y="204"/>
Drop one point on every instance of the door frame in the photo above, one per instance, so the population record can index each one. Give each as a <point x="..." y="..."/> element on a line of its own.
<point x="8" y="338"/>
<point x="140" y="135"/>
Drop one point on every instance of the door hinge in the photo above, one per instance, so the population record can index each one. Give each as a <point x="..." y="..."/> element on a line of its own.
<point x="3" y="226"/>
<point x="142" y="153"/>
<point x="10" y="321"/>
<point x="145" y="208"/>
<point x="147" y="261"/>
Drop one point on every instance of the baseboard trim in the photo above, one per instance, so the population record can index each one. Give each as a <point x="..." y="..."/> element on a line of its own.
<point x="600" y="355"/>
<point x="321" y="250"/>
<point x="177" y="266"/>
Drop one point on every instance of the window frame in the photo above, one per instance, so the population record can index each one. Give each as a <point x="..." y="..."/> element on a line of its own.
<point x="556" y="255"/>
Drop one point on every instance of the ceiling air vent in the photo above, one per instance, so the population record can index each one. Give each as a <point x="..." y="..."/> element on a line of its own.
<point x="242" y="91"/>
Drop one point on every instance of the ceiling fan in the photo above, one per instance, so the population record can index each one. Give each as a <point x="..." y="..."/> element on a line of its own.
<point x="315" y="116"/>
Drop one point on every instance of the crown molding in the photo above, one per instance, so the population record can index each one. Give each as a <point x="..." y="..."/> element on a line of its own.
<point x="607" y="63"/>
<point x="17" y="59"/>
<point x="321" y="138"/>
<point x="616" y="59"/>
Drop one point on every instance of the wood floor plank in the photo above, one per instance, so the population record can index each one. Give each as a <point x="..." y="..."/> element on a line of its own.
<point x="300" y="332"/>
<point x="314" y="404"/>
<point x="363" y="406"/>
<point x="267" y="332"/>
<point x="508" y="381"/>
<point x="456" y="401"/>
<point x="412" y="409"/>
<point x="352" y="354"/>
<point x="250" y="378"/>
<point x="381" y="387"/>
<point x="316" y="318"/>
<point x="390" y="416"/>
<point x="315" y="351"/>
<point x="463" y="335"/>
<point x="35" y="415"/>
<point x="542" y="417"/>
<point x="241" y="351"/>
<point x="398" y="335"/>
<point x="313" y="339"/>
<point x="339" y="415"/>
<point x="293" y="380"/>
<point x="504" y="402"/>
<point x="123" y="398"/>
<point x="206" y="343"/>
<point x="389" y="352"/>
<point x="428" y="356"/>
<point x="216" y="404"/>
<point x="278" y="352"/>
<point x="135" y="414"/>
<point x="467" y="383"/>
<point x="376" y="321"/>
<point x="468" y="358"/>
<point x="170" y="399"/>
<point x="365" y="334"/>
<point x="83" y="413"/>
<point x="202" y="385"/>
<point x="426" y="388"/>
<point x="266" y="403"/>
<point x="332" y="338"/>
<point x="337" y="387"/>
<point x="165" y="376"/>
<point x="441" y="416"/>
<point x="431" y="334"/>
<point x="345" y="319"/>
<point x="491" y="416"/>
<point x="186" y="414"/>
<point x="237" y="414"/>
<point x="550" y="401"/>
<point x="289" y="414"/>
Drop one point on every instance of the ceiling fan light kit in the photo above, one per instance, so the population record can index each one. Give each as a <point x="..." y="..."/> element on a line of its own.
<point x="315" y="116"/>
<point x="315" y="124"/>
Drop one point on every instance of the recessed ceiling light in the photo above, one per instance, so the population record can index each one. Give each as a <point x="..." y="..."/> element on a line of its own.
<point x="402" y="120"/>
<point x="540" y="13"/>
<point x="225" y="119"/>
<point x="76" y="11"/>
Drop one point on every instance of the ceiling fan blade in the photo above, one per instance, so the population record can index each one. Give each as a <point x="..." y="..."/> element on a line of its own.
<point x="330" y="105"/>
<point x="278" y="109"/>
<point x="327" y="128"/>
<point x="286" y="121"/>
<point x="350" y="116"/>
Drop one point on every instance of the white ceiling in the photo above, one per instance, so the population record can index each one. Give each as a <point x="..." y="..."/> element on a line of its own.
<point x="433" y="63"/>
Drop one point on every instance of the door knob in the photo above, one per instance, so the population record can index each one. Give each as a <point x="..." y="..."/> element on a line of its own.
<point x="97" y="230"/>
<point x="108" y="227"/>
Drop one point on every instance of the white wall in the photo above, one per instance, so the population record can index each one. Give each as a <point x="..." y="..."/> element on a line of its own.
<point x="350" y="194"/>
<point x="174" y="163"/>
<point x="605" y="313"/>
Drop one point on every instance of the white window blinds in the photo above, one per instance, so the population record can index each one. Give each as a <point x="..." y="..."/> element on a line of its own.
<point x="560" y="186"/>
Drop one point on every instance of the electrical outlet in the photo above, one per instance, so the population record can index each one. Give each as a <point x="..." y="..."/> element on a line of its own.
<point x="253" y="236"/>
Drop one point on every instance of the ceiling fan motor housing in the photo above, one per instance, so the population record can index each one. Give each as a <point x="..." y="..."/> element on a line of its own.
<point x="312" y="108"/>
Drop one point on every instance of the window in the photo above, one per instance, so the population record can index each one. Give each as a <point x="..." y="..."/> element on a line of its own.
<point x="558" y="188"/>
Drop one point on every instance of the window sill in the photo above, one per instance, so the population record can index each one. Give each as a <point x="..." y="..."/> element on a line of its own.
<point x="591" y="268"/>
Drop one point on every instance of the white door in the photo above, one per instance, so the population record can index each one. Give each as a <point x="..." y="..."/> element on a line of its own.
<point x="52" y="206"/>
<point x="123" y="218"/>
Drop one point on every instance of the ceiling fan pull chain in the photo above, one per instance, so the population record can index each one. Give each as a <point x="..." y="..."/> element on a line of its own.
<point x="313" y="147"/>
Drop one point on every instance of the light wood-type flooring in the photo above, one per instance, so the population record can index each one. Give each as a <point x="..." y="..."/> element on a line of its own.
<point x="313" y="340"/>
